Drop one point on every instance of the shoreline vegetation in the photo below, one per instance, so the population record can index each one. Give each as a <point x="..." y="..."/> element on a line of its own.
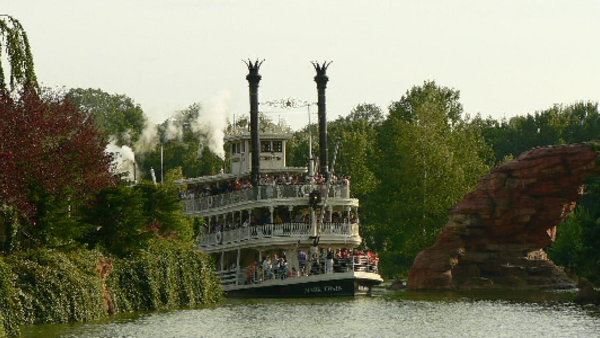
<point x="52" y="286"/>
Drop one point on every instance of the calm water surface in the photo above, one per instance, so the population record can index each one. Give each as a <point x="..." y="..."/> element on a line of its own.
<point x="388" y="314"/>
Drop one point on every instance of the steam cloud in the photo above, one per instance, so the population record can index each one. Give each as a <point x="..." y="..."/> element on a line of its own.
<point x="211" y="122"/>
<point x="124" y="159"/>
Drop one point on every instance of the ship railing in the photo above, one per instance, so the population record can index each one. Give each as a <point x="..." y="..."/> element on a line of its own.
<point x="202" y="203"/>
<point x="228" y="277"/>
<point x="255" y="274"/>
<point x="293" y="229"/>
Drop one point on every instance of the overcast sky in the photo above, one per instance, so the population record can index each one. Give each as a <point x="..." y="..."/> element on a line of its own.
<point x="507" y="58"/>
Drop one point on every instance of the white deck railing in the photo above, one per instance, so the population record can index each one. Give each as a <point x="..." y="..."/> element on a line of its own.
<point x="257" y="275"/>
<point x="203" y="203"/>
<point x="299" y="230"/>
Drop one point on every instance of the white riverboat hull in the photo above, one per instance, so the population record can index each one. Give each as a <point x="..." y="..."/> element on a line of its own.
<point x="349" y="283"/>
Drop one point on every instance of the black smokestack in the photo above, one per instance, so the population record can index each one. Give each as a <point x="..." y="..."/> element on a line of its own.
<point x="321" y="80"/>
<point x="253" y="79"/>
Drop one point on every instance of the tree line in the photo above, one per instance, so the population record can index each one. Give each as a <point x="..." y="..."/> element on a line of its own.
<point x="410" y="164"/>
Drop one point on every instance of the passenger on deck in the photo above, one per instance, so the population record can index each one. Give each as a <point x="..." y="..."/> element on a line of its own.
<point x="302" y="261"/>
<point x="283" y="268"/>
<point x="268" y="267"/>
<point x="251" y="273"/>
<point x="329" y="261"/>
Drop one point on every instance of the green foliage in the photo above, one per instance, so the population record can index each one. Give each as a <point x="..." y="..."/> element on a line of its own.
<point x="123" y="219"/>
<point x="116" y="220"/>
<point x="578" y="238"/>
<point x="115" y="115"/>
<point x="9" y="224"/>
<point x="9" y="323"/>
<point x="50" y="286"/>
<point x="18" y="54"/>
<point x="167" y="274"/>
<point x="428" y="157"/>
<point x="560" y="124"/>
<point x="356" y="136"/>
<point x="56" y="287"/>
<point x="297" y="147"/>
<point x="567" y="249"/>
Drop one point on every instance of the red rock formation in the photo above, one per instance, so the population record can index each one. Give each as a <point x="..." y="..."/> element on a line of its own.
<point x="103" y="268"/>
<point x="495" y="235"/>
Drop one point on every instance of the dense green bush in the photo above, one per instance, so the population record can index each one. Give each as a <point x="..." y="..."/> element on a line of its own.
<point x="578" y="237"/>
<point x="55" y="287"/>
<point x="50" y="286"/>
<point x="8" y="320"/>
<point x="167" y="274"/>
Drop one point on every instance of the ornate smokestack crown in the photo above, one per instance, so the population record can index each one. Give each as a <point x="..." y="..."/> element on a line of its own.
<point x="253" y="68"/>
<point x="321" y="78"/>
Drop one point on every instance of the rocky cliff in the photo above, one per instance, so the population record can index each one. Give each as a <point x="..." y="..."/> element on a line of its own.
<point x="495" y="235"/>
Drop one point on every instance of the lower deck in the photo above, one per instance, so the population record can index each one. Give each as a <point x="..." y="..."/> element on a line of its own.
<point x="348" y="276"/>
<point x="348" y="283"/>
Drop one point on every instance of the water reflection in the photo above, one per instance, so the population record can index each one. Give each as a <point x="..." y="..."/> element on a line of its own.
<point x="388" y="314"/>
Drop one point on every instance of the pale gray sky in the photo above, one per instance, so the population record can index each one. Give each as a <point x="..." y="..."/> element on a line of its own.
<point x="506" y="57"/>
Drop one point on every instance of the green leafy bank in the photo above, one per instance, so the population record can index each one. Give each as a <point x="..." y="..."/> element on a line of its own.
<point x="166" y="275"/>
<point x="50" y="286"/>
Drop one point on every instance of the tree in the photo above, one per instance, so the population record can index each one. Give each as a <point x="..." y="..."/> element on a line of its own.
<point x="559" y="124"/>
<point x="428" y="158"/>
<point x="116" y="116"/>
<point x="51" y="158"/>
<point x="18" y="52"/>
<point x="355" y="136"/>
<point x="578" y="237"/>
<point x="123" y="219"/>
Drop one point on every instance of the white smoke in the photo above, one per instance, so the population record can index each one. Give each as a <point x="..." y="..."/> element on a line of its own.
<point x="210" y="124"/>
<point x="124" y="159"/>
<point x="148" y="139"/>
<point x="212" y="121"/>
<point x="173" y="130"/>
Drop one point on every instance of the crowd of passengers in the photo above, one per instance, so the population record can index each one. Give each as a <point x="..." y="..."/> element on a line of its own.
<point x="265" y="180"/>
<point x="324" y="262"/>
<point x="265" y="219"/>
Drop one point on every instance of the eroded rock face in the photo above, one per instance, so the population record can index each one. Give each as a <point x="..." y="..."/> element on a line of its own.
<point x="495" y="235"/>
<point x="103" y="268"/>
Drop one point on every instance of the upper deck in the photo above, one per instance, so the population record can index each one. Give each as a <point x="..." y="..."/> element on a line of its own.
<point x="207" y="204"/>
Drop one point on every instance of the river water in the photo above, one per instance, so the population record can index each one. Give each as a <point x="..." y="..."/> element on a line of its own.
<point x="386" y="314"/>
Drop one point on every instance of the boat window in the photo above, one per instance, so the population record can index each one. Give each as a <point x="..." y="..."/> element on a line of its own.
<point x="235" y="148"/>
<point x="265" y="146"/>
<point x="277" y="146"/>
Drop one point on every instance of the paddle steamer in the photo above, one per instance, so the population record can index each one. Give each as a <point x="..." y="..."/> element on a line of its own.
<point x="279" y="231"/>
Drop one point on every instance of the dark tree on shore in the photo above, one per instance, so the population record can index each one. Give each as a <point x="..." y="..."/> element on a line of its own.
<point x="51" y="156"/>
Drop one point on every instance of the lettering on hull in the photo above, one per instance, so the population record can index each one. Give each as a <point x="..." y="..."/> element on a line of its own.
<point x="321" y="289"/>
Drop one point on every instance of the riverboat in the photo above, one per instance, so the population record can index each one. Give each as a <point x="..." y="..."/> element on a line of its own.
<point x="274" y="230"/>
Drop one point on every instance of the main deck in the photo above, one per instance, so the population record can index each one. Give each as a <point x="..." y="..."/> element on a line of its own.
<point x="279" y="235"/>
<point x="350" y="276"/>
